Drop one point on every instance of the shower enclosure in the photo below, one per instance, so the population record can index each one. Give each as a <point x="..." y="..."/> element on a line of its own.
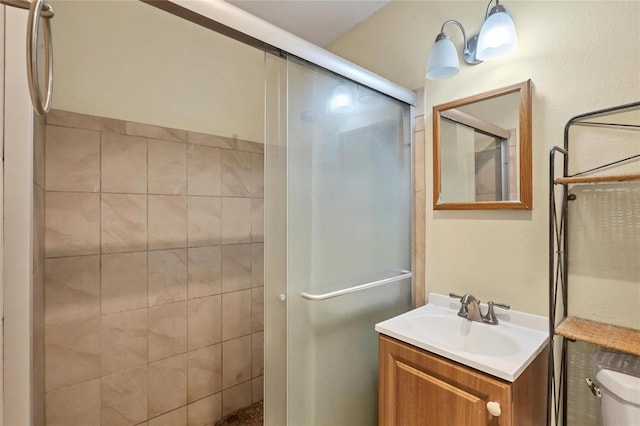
<point x="338" y="241"/>
<point x="150" y="226"/>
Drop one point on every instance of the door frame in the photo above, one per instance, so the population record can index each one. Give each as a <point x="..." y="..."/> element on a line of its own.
<point x="17" y="271"/>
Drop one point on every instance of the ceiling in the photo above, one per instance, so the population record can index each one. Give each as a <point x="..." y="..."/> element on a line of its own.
<point x="317" y="21"/>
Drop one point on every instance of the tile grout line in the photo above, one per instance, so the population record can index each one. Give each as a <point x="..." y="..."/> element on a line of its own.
<point x="188" y="250"/>
<point x="44" y="270"/>
<point x="220" y="314"/>
<point x="100" y="284"/>
<point x="147" y="274"/>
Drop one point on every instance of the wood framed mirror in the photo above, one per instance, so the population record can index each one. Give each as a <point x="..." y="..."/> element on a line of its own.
<point x="482" y="151"/>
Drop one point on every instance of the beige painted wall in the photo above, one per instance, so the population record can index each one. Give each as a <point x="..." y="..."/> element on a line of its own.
<point x="566" y="49"/>
<point x="142" y="64"/>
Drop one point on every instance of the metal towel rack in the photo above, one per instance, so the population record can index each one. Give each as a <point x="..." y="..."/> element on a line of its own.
<point x="325" y="296"/>
<point x="37" y="9"/>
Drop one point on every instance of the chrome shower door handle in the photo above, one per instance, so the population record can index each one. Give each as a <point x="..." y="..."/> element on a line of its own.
<point x="37" y="9"/>
<point x="40" y="105"/>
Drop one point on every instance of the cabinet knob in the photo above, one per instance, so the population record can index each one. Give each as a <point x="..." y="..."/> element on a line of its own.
<point x="494" y="408"/>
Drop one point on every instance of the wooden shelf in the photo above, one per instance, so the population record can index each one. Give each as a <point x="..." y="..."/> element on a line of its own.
<point x="596" y="179"/>
<point x="606" y="335"/>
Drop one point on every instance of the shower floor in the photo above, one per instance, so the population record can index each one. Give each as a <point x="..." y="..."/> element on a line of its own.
<point x="249" y="416"/>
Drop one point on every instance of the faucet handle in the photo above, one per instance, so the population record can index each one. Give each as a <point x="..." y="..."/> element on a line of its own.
<point x="463" y="307"/>
<point x="491" y="318"/>
<point x="466" y="298"/>
<point x="501" y="305"/>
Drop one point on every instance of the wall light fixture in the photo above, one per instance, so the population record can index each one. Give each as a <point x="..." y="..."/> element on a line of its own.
<point x="497" y="38"/>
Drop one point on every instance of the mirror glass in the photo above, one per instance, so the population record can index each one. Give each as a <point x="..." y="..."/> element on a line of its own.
<point x="482" y="151"/>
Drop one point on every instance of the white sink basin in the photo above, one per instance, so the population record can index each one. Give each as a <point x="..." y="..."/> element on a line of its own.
<point x="502" y="350"/>
<point x="462" y="335"/>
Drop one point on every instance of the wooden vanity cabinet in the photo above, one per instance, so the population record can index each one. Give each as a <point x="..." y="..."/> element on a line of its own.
<point x="418" y="388"/>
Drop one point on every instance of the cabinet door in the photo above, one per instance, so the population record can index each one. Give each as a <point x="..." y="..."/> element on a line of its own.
<point x="417" y="388"/>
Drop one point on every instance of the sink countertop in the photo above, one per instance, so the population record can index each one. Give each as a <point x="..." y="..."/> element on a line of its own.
<point x="522" y="335"/>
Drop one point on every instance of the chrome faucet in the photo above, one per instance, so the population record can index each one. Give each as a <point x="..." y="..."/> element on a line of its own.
<point x="470" y="309"/>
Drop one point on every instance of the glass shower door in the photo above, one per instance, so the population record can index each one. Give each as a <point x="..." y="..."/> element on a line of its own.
<point x="346" y="166"/>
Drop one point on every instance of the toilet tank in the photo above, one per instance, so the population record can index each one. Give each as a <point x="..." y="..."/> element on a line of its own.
<point x="618" y="376"/>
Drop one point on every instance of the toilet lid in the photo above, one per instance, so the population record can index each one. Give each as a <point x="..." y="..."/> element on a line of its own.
<point x="625" y="387"/>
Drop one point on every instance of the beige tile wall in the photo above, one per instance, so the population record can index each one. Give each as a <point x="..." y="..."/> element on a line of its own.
<point x="153" y="274"/>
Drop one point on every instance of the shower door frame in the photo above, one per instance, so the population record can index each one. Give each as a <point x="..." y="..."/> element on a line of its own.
<point x="17" y="227"/>
<point x="235" y="23"/>
<point x="283" y="290"/>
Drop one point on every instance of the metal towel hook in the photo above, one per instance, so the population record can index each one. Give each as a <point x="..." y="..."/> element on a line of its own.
<point x="37" y="9"/>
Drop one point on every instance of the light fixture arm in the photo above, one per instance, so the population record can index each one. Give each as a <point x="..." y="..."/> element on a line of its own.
<point x="469" y="46"/>
<point x="497" y="8"/>
<point x="486" y="14"/>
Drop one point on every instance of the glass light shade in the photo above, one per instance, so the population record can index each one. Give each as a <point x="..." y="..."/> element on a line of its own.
<point x="497" y="37"/>
<point x="341" y="99"/>
<point x="443" y="60"/>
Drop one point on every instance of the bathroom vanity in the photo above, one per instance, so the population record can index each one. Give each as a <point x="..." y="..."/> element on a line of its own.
<point x="437" y="369"/>
<point x="420" y="388"/>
